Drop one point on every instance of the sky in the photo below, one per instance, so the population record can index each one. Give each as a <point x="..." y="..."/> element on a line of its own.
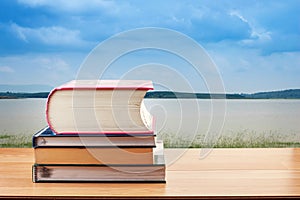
<point x="254" y="44"/>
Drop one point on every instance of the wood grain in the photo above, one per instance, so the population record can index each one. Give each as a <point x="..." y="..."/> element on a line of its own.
<point x="224" y="173"/>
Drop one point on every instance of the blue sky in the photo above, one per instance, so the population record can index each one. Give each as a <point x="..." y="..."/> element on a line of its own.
<point x="255" y="44"/>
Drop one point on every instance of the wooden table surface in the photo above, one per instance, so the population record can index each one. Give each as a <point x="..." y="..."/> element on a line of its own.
<point x="224" y="173"/>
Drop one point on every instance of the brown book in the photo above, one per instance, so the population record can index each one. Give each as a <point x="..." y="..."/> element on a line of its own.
<point x="98" y="155"/>
<point x="151" y="172"/>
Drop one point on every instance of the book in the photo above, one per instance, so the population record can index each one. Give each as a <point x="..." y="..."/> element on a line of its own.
<point x="85" y="173"/>
<point x="93" y="155"/>
<point x="100" y="107"/>
<point x="47" y="138"/>
<point x="98" y="130"/>
<point x="152" y="172"/>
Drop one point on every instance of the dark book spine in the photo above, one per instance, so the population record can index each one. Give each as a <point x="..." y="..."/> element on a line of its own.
<point x="34" y="141"/>
<point x="47" y="132"/>
<point x="34" y="174"/>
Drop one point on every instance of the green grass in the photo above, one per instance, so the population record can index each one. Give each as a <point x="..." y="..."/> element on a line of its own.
<point x="15" y="140"/>
<point x="4" y="136"/>
<point x="243" y="139"/>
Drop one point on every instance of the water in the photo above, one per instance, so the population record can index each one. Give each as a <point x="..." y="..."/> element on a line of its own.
<point x="255" y="115"/>
<point x="22" y="116"/>
<point x="185" y="116"/>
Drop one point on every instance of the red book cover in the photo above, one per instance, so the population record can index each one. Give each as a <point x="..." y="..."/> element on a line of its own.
<point x="106" y="85"/>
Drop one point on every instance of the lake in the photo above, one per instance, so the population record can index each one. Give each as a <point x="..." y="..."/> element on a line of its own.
<point x="179" y="117"/>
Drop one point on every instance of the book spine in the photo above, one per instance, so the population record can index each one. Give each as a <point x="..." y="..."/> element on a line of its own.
<point x="39" y="136"/>
<point x="34" y="143"/>
<point x="36" y="136"/>
<point x="34" y="174"/>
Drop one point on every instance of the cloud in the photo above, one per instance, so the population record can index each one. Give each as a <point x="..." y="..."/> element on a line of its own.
<point x="270" y="26"/>
<point x="6" y="69"/>
<point x="275" y="25"/>
<point x="253" y="39"/>
<point x="54" y="35"/>
<point x="247" y="70"/>
<point x="40" y="68"/>
<point x="52" y="63"/>
<point x="206" y="21"/>
<point x="214" y="27"/>
<point x="255" y="34"/>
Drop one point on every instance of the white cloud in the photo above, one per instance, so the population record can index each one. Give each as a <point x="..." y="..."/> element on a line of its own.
<point x="235" y="13"/>
<point x="6" y="69"/>
<point x="53" y="35"/>
<point x="247" y="70"/>
<point x="52" y="63"/>
<point x="258" y="35"/>
<point x="40" y="68"/>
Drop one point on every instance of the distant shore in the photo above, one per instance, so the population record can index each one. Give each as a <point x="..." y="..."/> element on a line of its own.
<point x="6" y="97"/>
<point x="17" y="95"/>
<point x="284" y="94"/>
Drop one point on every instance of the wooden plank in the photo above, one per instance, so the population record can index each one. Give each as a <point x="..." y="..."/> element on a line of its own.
<point x="16" y="155"/>
<point x="234" y="182"/>
<point x="234" y="159"/>
<point x="208" y="183"/>
<point x="234" y="173"/>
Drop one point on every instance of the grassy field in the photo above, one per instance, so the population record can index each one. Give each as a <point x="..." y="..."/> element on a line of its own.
<point x="15" y="140"/>
<point x="244" y="139"/>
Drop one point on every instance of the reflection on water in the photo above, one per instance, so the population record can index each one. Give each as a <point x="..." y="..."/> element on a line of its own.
<point x="181" y="117"/>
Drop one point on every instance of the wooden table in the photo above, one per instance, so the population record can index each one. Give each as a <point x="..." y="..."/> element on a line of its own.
<point x="224" y="173"/>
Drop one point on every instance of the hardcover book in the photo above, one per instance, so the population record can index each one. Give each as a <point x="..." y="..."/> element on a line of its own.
<point x="97" y="155"/>
<point x="99" y="106"/>
<point x="99" y="130"/>
<point x="47" y="138"/>
<point x="132" y="172"/>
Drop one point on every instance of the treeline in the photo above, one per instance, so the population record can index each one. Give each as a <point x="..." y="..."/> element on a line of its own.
<point x="184" y="95"/>
<point x="17" y="95"/>
<point x="284" y="94"/>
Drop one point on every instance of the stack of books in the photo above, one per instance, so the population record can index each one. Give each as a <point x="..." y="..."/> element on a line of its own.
<point x="98" y="131"/>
